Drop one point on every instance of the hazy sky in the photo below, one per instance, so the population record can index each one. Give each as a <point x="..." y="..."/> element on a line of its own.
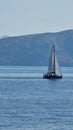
<point x="21" y="17"/>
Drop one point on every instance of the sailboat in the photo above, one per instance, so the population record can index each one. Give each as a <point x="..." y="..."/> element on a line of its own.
<point x="54" y="71"/>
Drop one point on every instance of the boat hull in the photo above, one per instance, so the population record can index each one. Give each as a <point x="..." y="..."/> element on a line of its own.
<point x="47" y="76"/>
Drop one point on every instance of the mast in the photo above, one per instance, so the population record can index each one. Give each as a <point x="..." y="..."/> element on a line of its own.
<point x="54" y="57"/>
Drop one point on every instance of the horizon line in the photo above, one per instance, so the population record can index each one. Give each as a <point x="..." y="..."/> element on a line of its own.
<point x="37" y="33"/>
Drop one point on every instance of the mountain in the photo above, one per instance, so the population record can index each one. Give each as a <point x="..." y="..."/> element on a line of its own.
<point x="35" y="49"/>
<point x="4" y="36"/>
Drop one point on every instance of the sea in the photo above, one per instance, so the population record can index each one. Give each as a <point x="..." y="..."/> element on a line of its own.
<point x="29" y="102"/>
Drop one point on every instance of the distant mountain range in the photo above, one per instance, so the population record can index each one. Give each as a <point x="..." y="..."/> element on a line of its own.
<point x="4" y="36"/>
<point x="35" y="49"/>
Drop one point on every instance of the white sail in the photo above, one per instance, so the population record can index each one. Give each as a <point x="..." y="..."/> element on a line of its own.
<point x="57" y="68"/>
<point x="53" y="64"/>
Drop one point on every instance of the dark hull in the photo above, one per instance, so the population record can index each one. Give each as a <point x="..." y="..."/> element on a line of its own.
<point x="47" y="76"/>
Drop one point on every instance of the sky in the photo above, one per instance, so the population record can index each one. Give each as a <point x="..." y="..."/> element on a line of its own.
<point x="22" y="17"/>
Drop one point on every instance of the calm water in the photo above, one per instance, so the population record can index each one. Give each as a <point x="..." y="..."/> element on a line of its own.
<point x="29" y="102"/>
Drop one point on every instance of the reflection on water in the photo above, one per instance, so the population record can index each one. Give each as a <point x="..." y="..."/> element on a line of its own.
<point x="30" y="72"/>
<point x="29" y="102"/>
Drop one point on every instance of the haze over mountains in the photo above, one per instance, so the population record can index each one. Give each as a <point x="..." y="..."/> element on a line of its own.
<point x="35" y="49"/>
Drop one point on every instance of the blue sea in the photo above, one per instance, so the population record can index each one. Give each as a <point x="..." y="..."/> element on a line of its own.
<point x="29" y="102"/>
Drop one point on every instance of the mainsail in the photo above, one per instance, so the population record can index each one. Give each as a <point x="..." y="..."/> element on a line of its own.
<point x="53" y="66"/>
